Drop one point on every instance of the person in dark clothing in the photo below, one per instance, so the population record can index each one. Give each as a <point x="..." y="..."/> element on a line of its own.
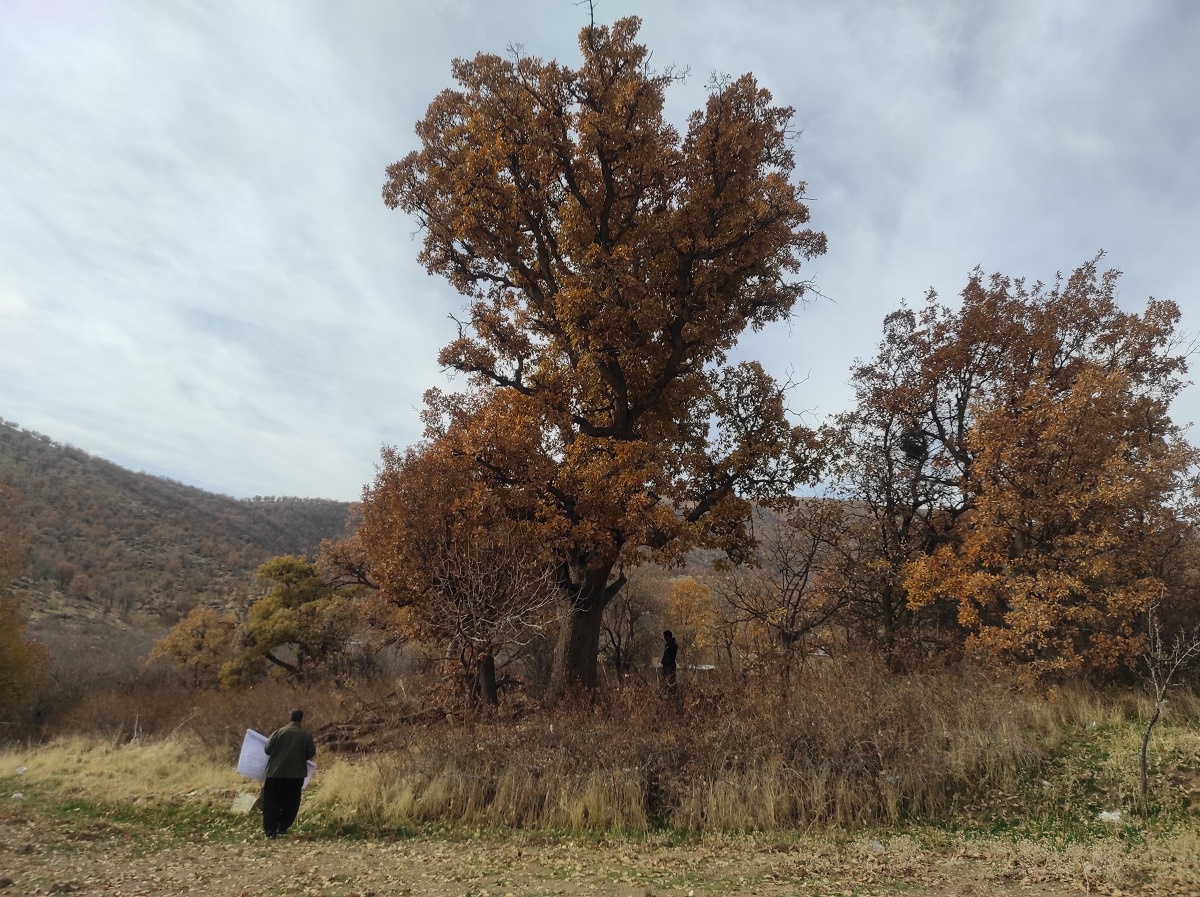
<point x="670" y="650"/>
<point x="289" y="749"/>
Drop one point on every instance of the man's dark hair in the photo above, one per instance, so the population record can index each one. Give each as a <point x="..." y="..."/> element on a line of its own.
<point x="297" y="715"/>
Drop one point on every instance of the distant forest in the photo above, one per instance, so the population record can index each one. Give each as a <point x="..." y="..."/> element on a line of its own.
<point x="103" y="541"/>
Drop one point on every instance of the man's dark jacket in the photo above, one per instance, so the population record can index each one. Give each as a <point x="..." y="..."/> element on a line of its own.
<point x="289" y="749"/>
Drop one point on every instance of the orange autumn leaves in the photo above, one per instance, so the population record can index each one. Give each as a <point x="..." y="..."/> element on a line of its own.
<point x="1074" y="488"/>
<point x="1017" y="484"/>
<point x="610" y="263"/>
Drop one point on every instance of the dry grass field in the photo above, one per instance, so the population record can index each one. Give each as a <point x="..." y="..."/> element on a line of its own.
<point x="145" y="820"/>
<point x="112" y="855"/>
<point x="859" y="784"/>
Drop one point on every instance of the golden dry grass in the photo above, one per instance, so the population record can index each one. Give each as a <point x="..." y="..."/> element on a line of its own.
<point x="846" y="746"/>
<point x="132" y="771"/>
<point x="44" y="849"/>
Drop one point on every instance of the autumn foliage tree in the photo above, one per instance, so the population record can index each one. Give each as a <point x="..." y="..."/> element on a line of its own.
<point x="691" y="613"/>
<point x="1034" y="460"/>
<point x="199" y="646"/>
<point x="612" y="263"/>
<point x="301" y="627"/>
<point x="1082" y="481"/>
<point x="470" y="579"/>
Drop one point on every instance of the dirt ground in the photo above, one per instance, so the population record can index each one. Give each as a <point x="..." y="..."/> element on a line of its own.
<point x="44" y="856"/>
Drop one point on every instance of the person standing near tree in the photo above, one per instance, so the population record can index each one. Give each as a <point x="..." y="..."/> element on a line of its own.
<point x="670" y="650"/>
<point x="289" y="749"/>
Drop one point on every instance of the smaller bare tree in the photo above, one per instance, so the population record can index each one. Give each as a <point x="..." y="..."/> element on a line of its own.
<point x="785" y="594"/>
<point x="628" y="634"/>
<point x="492" y="594"/>
<point x="1165" y="660"/>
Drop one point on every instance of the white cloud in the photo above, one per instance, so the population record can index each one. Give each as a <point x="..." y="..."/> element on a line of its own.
<point x="198" y="276"/>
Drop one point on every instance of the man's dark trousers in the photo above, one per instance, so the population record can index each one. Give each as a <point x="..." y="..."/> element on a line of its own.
<point x="281" y="803"/>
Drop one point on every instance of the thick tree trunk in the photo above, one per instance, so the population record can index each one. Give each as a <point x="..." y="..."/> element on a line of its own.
<point x="579" y="638"/>
<point x="487" y="679"/>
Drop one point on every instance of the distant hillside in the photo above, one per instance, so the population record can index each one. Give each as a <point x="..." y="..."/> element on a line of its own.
<point x="105" y="542"/>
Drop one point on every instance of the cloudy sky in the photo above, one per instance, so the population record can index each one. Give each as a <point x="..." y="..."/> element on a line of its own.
<point x="199" y="279"/>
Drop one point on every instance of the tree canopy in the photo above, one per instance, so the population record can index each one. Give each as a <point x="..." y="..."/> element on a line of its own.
<point x="611" y="264"/>
<point x="469" y="579"/>
<point x="300" y="628"/>
<point x="1018" y="464"/>
<point x="1080" y="484"/>
<point x="302" y="625"/>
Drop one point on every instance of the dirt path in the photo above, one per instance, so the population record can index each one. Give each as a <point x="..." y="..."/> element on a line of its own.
<point x="44" y="857"/>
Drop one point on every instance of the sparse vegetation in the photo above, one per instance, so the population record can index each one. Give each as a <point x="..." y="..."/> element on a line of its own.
<point x="109" y="545"/>
<point x="850" y="748"/>
<point x="865" y="779"/>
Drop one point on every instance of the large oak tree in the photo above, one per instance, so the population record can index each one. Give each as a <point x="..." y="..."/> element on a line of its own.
<point x="1081" y="485"/>
<point x="1017" y="461"/>
<point x="612" y="263"/>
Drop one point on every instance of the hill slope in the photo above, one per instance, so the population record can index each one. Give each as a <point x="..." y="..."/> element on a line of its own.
<point x="106" y="542"/>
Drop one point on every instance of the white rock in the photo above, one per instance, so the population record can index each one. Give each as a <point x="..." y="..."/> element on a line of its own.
<point x="243" y="803"/>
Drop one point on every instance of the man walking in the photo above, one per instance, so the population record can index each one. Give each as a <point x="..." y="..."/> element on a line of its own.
<point x="289" y="749"/>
